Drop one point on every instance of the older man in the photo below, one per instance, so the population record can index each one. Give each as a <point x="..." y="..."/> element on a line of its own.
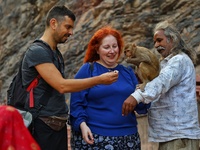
<point x="173" y="116"/>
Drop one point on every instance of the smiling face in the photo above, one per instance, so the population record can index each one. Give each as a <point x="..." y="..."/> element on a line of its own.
<point x="63" y="29"/>
<point x="108" y="51"/>
<point x="162" y="43"/>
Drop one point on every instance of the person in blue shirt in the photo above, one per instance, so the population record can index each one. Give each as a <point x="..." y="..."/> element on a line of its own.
<point x="95" y="113"/>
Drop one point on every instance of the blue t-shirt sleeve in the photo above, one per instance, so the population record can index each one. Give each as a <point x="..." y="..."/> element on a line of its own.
<point x="78" y="100"/>
<point x="142" y="108"/>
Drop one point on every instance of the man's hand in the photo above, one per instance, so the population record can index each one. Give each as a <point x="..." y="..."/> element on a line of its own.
<point x="109" y="77"/>
<point x="128" y="105"/>
<point x="86" y="133"/>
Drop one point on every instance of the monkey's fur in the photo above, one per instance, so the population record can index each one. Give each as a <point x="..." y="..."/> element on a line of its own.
<point x="146" y="62"/>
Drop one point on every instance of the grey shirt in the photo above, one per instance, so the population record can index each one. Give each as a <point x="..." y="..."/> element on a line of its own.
<point x="53" y="102"/>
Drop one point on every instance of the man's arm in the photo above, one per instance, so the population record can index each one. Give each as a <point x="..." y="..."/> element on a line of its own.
<point x="129" y="105"/>
<point x="53" y="77"/>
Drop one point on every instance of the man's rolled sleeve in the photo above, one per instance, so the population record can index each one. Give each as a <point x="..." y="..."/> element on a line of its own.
<point x="137" y="96"/>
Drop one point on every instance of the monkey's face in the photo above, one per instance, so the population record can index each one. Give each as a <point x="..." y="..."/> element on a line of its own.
<point x="128" y="53"/>
<point x="128" y="50"/>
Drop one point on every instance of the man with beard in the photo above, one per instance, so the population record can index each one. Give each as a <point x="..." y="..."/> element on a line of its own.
<point x="43" y="57"/>
<point x="173" y="115"/>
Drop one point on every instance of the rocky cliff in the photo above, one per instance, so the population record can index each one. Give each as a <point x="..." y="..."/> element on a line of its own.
<point x="23" y="20"/>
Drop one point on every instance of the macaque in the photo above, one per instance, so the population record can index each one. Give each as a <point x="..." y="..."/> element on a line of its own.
<point x="146" y="62"/>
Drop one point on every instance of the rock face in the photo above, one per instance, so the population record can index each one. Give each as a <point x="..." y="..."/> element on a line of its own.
<point x="23" y="20"/>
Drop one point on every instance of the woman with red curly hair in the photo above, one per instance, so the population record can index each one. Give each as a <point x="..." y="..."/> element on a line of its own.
<point x="96" y="41"/>
<point x="96" y="113"/>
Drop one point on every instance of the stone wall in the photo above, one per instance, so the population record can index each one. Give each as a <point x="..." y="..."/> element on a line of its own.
<point x="23" y="20"/>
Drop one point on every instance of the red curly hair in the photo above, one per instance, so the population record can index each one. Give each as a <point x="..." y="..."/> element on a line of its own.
<point x="96" y="40"/>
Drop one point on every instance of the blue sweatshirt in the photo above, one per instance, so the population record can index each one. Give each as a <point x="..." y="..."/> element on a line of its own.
<point x="101" y="106"/>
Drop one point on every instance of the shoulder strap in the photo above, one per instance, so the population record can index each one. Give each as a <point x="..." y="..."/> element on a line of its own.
<point x="91" y="68"/>
<point x="30" y="88"/>
<point x="61" y="62"/>
<point x="44" y="45"/>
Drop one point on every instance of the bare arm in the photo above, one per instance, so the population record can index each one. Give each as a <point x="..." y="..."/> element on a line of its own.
<point x="129" y="105"/>
<point x="53" y="77"/>
<point x="86" y="133"/>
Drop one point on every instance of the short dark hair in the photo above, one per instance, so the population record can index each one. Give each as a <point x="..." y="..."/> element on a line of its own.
<point x="58" y="12"/>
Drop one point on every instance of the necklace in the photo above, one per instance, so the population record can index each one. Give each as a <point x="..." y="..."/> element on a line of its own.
<point x="109" y="69"/>
<point x="115" y="65"/>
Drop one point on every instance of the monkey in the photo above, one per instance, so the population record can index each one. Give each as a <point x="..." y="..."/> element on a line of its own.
<point x="147" y="65"/>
